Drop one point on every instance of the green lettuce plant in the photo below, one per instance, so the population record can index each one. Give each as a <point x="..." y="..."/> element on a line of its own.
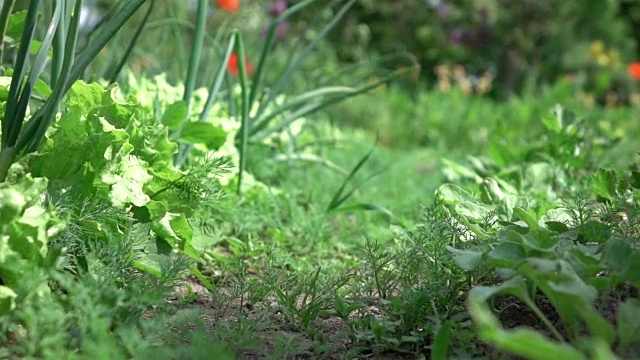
<point x="22" y="133"/>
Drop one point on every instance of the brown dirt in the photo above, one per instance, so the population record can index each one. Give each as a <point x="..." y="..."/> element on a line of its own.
<point x="511" y="312"/>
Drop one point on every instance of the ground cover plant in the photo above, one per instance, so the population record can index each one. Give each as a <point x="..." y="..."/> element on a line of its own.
<point x="268" y="207"/>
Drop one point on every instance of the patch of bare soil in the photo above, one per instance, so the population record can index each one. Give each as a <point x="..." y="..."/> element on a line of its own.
<point x="332" y="336"/>
<point x="333" y="333"/>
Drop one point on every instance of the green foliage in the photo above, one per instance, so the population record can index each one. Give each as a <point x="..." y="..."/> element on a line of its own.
<point x="542" y="245"/>
<point x="26" y="229"/>
<point x="19" y="136"/>
<point x="123" y="197"/>
<point x="517" y="41"/>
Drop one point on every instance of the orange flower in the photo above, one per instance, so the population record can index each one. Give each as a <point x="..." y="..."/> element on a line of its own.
<point x="634" y="70"/>
<point x="233" y="67"/>
<point x="229" y="5"/>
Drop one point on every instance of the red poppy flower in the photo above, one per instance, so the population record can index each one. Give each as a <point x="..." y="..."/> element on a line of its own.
<point x="634" y="70"/>
<point x="233" y="67"/>
<point x="229" y="5"/>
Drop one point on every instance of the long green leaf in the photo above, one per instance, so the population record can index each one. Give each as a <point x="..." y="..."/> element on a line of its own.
<point x="196" y="51"/>
<point x="312" y="159"/>
<point x="36" y="69"/>
<point x="57" y="59"/>
<point x="339" y="94"/>
<point x="192" y="71"/>
<point x="73" y="70"/>
<point x="7" y="7"/>
<point x="285" y="78"/>
<point x="107" y="32"/>
<point x="261" y="126"/>
<point x="268" y="46"/>
<point x="244" y="111"/>
<point x="12" y="113"/>
<point x="35" y="131"/>
<point x="134" y="40"/>
<point x="212" y="97"/>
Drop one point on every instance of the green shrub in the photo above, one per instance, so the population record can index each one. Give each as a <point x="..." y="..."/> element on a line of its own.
<point x="516" y="40"/>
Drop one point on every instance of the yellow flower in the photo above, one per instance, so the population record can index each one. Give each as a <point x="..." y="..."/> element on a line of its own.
<point x="603" y="60"/>
<point x="596" y="48"/>
<point x="485" y="82"/>
<point x="459" y="73"/>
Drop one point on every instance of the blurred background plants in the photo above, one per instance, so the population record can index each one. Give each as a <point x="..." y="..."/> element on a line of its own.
<point x="456" y="91"/>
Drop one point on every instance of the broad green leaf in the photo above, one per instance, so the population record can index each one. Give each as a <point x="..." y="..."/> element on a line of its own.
<point x="557" y="226"/>
<point x="213" y="136"/>
<point x="28" y="237"/>
<point x="440" y="345"/>
<point x="475" y="229"/>
<point x="618" y="255"/>
<point x="600" y="350"/>
<point x="553" y="124"/>
<point x="523" y="342"/>
<point x="126" y="187"/>
<point x="85" y="97"/>
<point x="603" y="183"/>
<point x="628" y="321"/>
<point x="526" y="217"/>
<point x="471" y="210"/>
<point x="540" y="175"/>
<point x="7" y="300"/>
<point x="467" y="259"/>
<point x="175" y="114"/>
<point x="490" y="192"/>
<point x="538" y="241"/>
<point x="16" y="24"/>
<point x="506" y="255"/>
<point x="453" y="194"/>
<point x="176" y="231"/>
<point x="156" y="209"/>
<point x="455" y="171"/>
<point x="11" y="204"/>
<point x="572" y="298"/>
<point x="162" y="227"/>
<point x="42" y="88"/>
<point x="634" y="179"/>
<point x="149" y="264"/>
<point x="203" y="279"/>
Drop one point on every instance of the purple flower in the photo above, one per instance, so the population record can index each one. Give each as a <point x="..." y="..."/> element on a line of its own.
<point x="281" y="30"/>
<point x="278" y="7"/>
<point x="443" y="10"/>
<point x="456" y="35"/>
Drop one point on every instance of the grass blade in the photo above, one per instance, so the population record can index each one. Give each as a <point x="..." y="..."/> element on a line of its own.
<point x="339" y="94"/>
<point x="366" y="207"/>
<point x="339" y="197"/>
<point x="312" y="159"/>
<point x="260" y="130"/>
